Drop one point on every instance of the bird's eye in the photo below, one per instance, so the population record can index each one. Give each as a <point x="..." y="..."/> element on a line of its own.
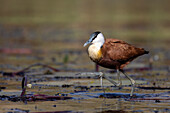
<point x="94" y="37"/>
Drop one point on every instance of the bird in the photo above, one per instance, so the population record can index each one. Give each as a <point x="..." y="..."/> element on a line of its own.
<point x="113" y="54"/>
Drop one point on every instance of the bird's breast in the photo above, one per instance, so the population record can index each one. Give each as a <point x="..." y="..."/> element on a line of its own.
<point x="95" y="53"/>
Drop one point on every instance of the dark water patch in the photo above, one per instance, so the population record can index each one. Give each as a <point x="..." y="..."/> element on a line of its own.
<point x="84" y="95"/>
<point x="156" y="97"/>
<point x="56" y="112"/>
<point x="2" y="88"/>
<point x="13" y="98"/>
<point x="155" y="88"/>
<point x="17" y="110"/>
<point x="120" y="95"/>
<point x="66" y="86"/>
<point x="166" y="110"/>
<point x="113" y="111"/>
<point x="3" y="97"/>
<point x="82" y="88"/>
<point x="75" y="91"/>
<point x="38" y="97"/>
<point x="61" y="94"/>
<point x="12" y="74"/>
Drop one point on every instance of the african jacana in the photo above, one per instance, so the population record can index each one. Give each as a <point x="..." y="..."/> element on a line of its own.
<point x="113" y="54"/>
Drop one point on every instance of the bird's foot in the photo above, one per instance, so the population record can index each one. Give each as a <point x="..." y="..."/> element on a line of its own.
<point x="101" y="75"/>
<point x="119" y="85"/>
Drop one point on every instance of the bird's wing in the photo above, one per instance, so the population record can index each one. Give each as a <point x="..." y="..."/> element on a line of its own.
<point x="120" y="50"/>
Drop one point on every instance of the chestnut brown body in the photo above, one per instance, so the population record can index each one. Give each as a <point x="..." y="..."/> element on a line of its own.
<point x="116" y="54"/>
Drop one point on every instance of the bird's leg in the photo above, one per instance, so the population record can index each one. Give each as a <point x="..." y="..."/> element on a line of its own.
<point x="100" y="74"/>
<point x="119" y="84"/>
<point x="132" y="82"/>
<point x="101" y="81"/>
<point x="110" y="80"/>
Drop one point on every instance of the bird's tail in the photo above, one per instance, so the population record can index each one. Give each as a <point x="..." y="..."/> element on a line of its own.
<point x="146" y="52"/>
<point x="143" y="51"/>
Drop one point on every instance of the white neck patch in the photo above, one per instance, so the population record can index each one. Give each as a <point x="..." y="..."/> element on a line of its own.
<point x="99" y="39"/>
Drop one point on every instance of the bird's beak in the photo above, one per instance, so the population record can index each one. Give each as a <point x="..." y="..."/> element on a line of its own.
<point x="86" y="43"/>
<point x="89" y="41"/>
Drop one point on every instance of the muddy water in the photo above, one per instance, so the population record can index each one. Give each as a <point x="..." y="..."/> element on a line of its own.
<point x="53" y="34"/>
<point x="72" y="79"/>
<point x="86" y="93"/>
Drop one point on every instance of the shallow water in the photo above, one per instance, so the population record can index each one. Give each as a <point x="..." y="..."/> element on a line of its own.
<point x="72" y="79"/>
<point x="86" y="93"/>
<point x="49" y="37"/>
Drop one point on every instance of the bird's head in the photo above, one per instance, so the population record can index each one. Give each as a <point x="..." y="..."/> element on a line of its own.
<point x="96" y="37"/>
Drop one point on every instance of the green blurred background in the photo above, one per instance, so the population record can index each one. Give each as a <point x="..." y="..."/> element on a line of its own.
<point x="50" y="26"/>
